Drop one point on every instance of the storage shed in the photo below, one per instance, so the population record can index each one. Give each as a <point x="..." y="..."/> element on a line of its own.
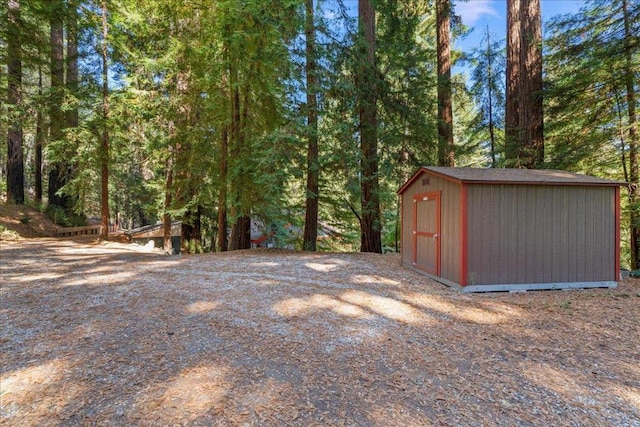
<point x="511" y="229"/>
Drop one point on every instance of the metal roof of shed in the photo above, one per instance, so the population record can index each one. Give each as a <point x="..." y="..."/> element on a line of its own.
<point x="512" y="176"/>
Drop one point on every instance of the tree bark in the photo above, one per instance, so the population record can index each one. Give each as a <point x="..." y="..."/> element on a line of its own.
<point x="223" y="242"/>
<point x="241" y="229"/>
<point x="166" y="219"/>
<point x="313" y="172"/>
<point x="40" y="140"/>
<point x="240" y="233"/>
<point x="446" y="155"/>
<point x="234" y="236"/>
<point x="531" y="118"/>
<point x="370" y="226"/>
<point x="634" y="182"/>
<point x="197" y="229"/>
<point x="104" y="146"/>
<point x="524" y="130"/>
<point x="512" y="106"/>
<point x="245" y="148"/>
<point x="244" y="232"/>
<point x="15" y="160"/>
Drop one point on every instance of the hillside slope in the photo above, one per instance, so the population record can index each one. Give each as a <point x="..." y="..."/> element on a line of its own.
<point x="24" y="222"/>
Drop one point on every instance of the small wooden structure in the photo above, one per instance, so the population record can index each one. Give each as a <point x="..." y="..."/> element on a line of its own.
<point x="155" y="233"/>
<point x="511" y="229"/>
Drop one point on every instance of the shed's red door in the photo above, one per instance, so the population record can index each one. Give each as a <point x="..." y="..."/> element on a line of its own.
<point x="426" y="232"/>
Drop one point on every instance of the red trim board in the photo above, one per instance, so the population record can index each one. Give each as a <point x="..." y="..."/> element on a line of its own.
<point x="463" y="235"/>
<point x="616" y="270"/>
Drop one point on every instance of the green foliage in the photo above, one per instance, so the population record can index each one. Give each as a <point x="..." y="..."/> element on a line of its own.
<point x="586" y="111"/>
<point x="62" y="218"/>
<point x="592" y="69"/>
<point x="185" y="75"/>
<point x="8" y="235"/>
<point x="488" y="89"/>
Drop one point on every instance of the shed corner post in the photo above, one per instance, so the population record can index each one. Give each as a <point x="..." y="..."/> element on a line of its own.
<point x="400" y="230"/>
<point x="617" y="267"/>
<point x="463" y="234"/>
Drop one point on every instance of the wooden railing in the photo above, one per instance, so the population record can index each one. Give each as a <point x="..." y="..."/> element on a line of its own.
<point x="80" y="231"/>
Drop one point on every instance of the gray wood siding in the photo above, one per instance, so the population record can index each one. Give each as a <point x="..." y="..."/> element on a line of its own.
<point x="450" y="223"/>
<point x="520" y="234"/>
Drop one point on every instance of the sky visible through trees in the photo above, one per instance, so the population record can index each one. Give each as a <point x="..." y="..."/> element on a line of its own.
<point x="480" y="15"/>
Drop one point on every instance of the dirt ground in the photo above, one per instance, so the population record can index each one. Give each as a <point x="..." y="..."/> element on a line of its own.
<point x="106" y="334"/>
<point x="24" y="222"/>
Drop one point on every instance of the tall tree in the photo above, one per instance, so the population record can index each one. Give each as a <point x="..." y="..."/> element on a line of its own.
<point x="630" y="79"/>
<point x="513" y="96"/>
<point x="313" y="167"/>
<point x="223" y="163"/>
<point x="370" y="223"/>
<point x="15" y="160"/>
<point x="524" y="107"/>
<point x="167" y="244"/>
<point x="104" y="140"/>
<point x="223" y="241"/>
<point x="58" y="172"/>
<point x="39" y="141"/>
<point x="488" y="91"/>
<point x="446" y="156"/>
<point x="240" y="237"/>
<point x="531" y="84"/>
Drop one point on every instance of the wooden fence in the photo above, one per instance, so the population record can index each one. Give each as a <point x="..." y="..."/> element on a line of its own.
<point x="80" y="231"/>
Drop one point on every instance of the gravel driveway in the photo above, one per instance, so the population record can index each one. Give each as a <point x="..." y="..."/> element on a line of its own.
<point x="106" y="334"/>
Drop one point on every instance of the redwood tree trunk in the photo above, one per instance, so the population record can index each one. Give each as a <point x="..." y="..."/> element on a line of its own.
<point x="446" y="156"/>
<point x="234" y="237"/>
<point x="244" y="231"/>
<point x="40" y="138"/>
<point x="370" y="225"/>
<point x="166" y="219"/>
<point x="531" y="119"/>
<point x="240" y="233"/>
<point x="15" y="160"/>
<point x="524" y="129"/>
<point x="634" y="190"/>
<point x="223" y="242"/>
<point x="313" y="172"/>
<point x="197" y="228"/>
<point x="244" y="221"/>
<point x="104" y="149"/>
<point x="512" y="102"/>
<point x="241" y="229"/>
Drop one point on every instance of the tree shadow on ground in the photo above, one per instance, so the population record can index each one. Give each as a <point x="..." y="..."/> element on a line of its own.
<point x="293" y="339"/>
